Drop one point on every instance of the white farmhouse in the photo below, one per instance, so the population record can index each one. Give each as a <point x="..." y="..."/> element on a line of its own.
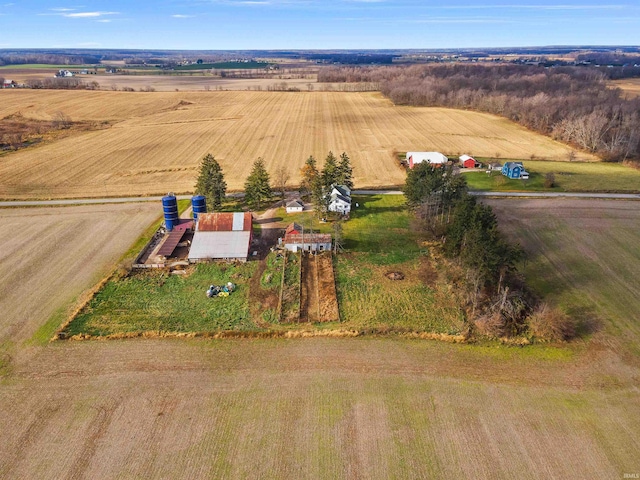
<point x="340" y="199"/>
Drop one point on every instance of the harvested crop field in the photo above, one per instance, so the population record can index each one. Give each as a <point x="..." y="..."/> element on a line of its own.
<point x="338" y="408"/>
<point x="49" y="256"/>
<point x="630" y="87"/>
<point x="584" y="255"/>
<point x="316" y="408"/>
<point x="159" y="138"/>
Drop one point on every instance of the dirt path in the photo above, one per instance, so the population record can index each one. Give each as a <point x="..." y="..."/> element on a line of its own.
<point x="309" y="300"/>
<point x="327" y="288"/>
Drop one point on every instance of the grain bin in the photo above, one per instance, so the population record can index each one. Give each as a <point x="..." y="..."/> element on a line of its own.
<point x="170" y="208"/>
<point x="198" y="205"/>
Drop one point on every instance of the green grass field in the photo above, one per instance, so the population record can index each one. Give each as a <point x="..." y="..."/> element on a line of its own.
<point x="224" y="65"/>
<point x="161" y="302"/>
<point x="569" y="177"/>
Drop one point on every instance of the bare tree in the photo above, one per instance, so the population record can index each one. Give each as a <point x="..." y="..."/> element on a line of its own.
<point x="61" y="121"/>
<point x="281" y="177"/>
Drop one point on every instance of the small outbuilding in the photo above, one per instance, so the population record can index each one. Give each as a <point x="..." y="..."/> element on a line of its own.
<point x="293" y="229"/>
<point x="435" y="158"/>
<point x="222" y="236"/>
<point x="467" y="161"/>
<point x="295" y="206"/>
<point x="308" y="242"/>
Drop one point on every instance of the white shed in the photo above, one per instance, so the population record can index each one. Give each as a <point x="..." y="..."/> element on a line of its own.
<point x="435" y="158"/>
<point x="295" y="206"/>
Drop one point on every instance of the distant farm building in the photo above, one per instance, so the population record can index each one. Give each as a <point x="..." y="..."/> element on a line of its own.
<point x="434" y="158"/>
<point x="514" y="170"/>
<point x="222" y="236"/>
<point x="9" y="84"/>
<point x="467" y="161"/>
<point x="295" y="206"/>
<point x="494" y="166"/>
<point x="340" y="199"/>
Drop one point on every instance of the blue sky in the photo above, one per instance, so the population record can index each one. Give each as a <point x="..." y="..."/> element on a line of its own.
<point x="320" y="24"/>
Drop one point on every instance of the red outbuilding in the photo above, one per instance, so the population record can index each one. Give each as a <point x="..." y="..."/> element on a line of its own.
<point x="467" y="161"/>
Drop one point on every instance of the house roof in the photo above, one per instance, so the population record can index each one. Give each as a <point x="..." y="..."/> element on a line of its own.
<point x="341" y="197"/>
<point x="224" y="222"/>
<point x="295" y="203"/>
<point x="465" y="157"/>
<point x="220" y="244"/>
<point x="431" y="157"/>
<point x="342" y="190"/>
<point x="513" y="164"/>
<point x="297" y="238"/>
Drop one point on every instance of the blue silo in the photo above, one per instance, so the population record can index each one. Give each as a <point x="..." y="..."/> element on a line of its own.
<point x="198" y="205"/>
<point x="170" y="208"/>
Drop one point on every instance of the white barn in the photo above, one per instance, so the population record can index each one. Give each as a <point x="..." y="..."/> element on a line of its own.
<point x="435" y="158"/>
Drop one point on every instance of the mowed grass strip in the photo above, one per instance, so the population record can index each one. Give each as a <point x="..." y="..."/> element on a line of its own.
<point x="160" y="137"/>
<point x="569" y="177"/>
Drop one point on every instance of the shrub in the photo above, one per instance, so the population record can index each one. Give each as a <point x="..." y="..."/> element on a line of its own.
<point x="549" y="180"/>
<point x="550" y="324"/>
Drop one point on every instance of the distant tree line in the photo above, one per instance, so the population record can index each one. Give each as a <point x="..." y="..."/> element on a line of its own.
<point x="572" y="104"/>
<point x="48" y="59"/>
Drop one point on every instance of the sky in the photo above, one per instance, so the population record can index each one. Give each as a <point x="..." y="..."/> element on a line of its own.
<point x="315" y="24"/>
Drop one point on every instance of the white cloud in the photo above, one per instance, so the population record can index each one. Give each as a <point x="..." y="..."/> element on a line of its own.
<point x="88" y="14"/>
<point x="62" y="9"/>
<point x="105" y="20"/>
<point x="534" y="7"/>
<point x="180" y="15"/>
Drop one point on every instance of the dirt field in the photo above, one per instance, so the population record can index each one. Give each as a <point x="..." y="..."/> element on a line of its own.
<point x="159" y="138"/>
<point x="48" y="256"/>
<point x="630" y="86"/>
<point x="585" y="256"/>
<point x="335" y="408"/>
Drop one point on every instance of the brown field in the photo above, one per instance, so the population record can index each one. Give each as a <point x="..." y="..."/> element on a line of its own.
<point x="159" y="138"/>
<point x="49" y="256"/>
<point x="630" y="87"/>
<point x="320" y="407"/>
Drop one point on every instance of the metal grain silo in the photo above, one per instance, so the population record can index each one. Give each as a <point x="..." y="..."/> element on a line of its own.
<point x="170" y="208"/>
<point x="198" y="205"/>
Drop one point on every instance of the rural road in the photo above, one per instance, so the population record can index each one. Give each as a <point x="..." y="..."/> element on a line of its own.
<point x="88" y="201"/>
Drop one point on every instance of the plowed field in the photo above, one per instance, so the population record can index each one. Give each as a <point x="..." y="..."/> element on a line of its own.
<point x="158" y="139"/>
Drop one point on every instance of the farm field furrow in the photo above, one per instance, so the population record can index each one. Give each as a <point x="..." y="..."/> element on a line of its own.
<point x="49" y="256"/>
<point x="160" y="138"/>
<point x="584" y="255"/>
<point x="315" y="408"/>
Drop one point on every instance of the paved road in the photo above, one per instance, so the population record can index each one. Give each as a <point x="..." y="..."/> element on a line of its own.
<point x="87" y="201"/>
<point x="615" y="196"/>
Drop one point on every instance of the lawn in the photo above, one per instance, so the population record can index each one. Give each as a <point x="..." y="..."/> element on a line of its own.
<point x="158" y="301"/>
<point x="569" y="177"/>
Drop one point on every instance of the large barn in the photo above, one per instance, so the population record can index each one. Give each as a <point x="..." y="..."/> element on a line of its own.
<point x="435" y="158"/>
<point x="221" y="236"/>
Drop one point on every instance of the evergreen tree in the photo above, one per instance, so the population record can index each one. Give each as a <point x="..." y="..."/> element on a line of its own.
<point x="330" y="171"/>
<point x="211" y="182"/>
<point x="345" y="171"/>
<point x="256" y="188"/>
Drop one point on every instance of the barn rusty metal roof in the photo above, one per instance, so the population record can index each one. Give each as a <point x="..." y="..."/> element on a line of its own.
<point x="308" y="238"/>
<point x="171" y="242"/>
<point x="224" y="222"/>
